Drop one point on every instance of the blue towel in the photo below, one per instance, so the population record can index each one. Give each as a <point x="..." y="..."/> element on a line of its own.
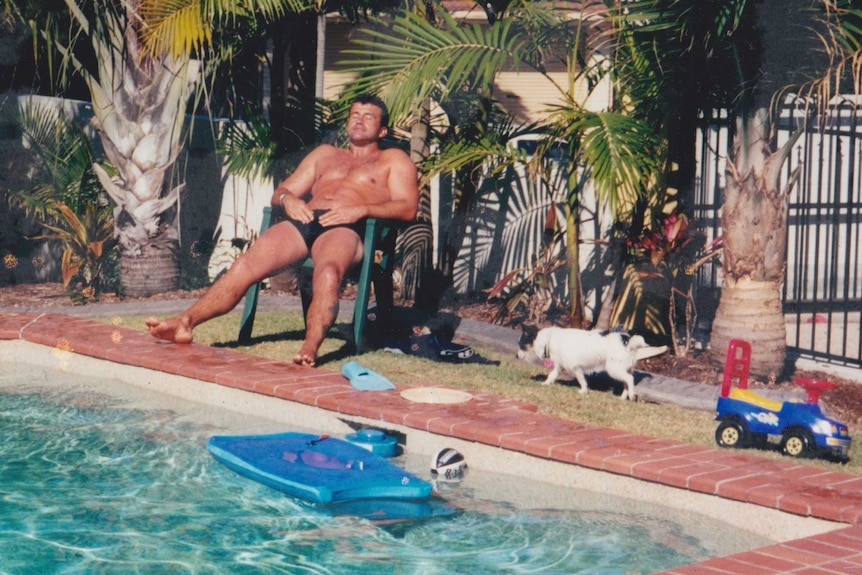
<point x="363" y="378"/>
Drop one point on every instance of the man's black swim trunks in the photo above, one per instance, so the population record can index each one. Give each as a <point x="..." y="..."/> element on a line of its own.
<point x="312" y="230"/>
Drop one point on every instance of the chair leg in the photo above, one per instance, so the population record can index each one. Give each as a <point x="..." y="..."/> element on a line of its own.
<point x="363" y="287"/>
<point x="248" y="313"/>
<point x="383" y="290"/>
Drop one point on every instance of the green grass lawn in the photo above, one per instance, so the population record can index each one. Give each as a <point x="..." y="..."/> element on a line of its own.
<point x="279" y="336"/>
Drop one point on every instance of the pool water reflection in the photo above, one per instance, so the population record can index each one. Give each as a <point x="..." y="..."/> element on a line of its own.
<point x="93" y="482"/>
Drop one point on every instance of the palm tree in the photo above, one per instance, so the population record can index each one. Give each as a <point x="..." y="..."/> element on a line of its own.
<point x="773" y="47"/>
<point x="148" y="57"/>
<point x="754" y="217"/>
<point x="411" y="60"/>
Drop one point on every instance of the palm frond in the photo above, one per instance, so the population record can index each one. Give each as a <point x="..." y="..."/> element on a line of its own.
<point x="182" y="27"/>
<point x="842" y="43"/>
<point x="413" y="57"/>
<point x="174" y="26"/>
<point x="34" y="202"/>
<point x="61" y="150"/>
<point x="492" y="149"/>
<point x="618" y="150"/>
<point x="248" y="148"/>
<point x="492" y="154"/>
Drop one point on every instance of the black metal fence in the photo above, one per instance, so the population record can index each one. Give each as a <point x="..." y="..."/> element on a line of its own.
<point x="822" y="291"/>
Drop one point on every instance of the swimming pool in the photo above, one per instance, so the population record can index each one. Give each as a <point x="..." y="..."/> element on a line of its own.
<point x="98" y="477"/>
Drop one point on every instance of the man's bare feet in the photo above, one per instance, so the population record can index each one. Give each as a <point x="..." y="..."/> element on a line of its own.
<point x="304" y="357"/>
<point x="172" y="329"/>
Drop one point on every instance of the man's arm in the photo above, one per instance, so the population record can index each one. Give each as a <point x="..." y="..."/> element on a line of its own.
<point x="289" y="193"/>
<point x="403" y="190"/>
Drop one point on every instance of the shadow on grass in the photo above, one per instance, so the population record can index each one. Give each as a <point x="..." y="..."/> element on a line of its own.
<point x="401" y="324"/>
<point x="342" y="332"/>
<point x="600" y="382"/>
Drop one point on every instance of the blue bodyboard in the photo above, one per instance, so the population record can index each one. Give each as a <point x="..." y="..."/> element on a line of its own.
<point x="316" y="468"/>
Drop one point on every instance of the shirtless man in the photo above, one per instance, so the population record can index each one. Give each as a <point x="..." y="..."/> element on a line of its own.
<point x="326" y="201"/>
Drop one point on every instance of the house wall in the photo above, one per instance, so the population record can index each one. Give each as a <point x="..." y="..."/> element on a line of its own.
<point x="526" y="94"/>
<point x="219" y="212"/>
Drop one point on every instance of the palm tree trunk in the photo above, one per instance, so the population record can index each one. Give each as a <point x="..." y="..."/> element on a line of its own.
<point x="155" y="271"/>
<point x="754" y="226"/>
<point x="751" y="310"/>
<point x="754" y="221"/>
<point x="573" y="256"/>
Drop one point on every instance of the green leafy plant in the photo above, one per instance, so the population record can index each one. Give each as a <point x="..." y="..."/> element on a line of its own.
<point x="67" y="199"/>
<point x="657" y="271"/>
<point x="248" y="148"/>
<point x="86" y="240"/>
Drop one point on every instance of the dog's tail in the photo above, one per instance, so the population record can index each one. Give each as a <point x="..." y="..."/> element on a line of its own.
<point x="634" y="342"/>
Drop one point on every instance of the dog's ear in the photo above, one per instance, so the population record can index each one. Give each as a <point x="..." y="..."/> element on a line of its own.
<point x="528" y="336"/>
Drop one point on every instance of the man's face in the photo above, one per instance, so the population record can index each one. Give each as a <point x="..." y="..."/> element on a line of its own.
<point x="363" y="123"/>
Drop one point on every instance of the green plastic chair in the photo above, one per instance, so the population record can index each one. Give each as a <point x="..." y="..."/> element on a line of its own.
<point x="378" y="236"/>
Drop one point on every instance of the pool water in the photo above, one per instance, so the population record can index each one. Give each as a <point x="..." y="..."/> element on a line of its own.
<point x="93" y="483"/>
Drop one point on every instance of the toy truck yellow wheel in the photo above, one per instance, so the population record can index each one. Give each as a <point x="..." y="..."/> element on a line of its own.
<point x="732" y="433"/>
<point x="796" y="442"/>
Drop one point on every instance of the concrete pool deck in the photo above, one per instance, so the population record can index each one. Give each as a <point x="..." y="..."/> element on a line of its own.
<point x="787" y="486"/>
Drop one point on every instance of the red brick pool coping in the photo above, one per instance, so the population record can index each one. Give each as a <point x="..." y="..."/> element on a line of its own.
<point x="515" y="425"/>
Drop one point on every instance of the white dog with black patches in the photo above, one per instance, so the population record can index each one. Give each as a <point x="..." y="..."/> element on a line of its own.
<point x="580" y="352"/>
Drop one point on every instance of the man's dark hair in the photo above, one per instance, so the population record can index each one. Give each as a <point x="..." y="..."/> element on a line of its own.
<point x="374" y="101"/>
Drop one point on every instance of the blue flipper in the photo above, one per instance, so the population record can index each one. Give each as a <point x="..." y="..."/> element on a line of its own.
<point x="363" y="378"/>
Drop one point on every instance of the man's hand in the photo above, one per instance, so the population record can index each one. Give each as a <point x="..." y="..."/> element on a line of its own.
<point x="296" y="209"/>
<point x="341" y="216"/>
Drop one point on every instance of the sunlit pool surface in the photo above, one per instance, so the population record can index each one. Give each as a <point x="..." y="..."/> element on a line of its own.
<point x="93" y="483"/>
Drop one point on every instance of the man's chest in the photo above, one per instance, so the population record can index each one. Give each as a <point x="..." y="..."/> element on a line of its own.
<point x="347" y="168"/>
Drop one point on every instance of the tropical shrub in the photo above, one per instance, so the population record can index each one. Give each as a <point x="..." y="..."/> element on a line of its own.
<point x="67" y="199"/>
<point x="654" y="289"/>
<point x="532" y="293"/>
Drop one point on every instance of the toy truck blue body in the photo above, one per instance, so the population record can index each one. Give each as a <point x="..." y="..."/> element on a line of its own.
<point x="748" y="419"/>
